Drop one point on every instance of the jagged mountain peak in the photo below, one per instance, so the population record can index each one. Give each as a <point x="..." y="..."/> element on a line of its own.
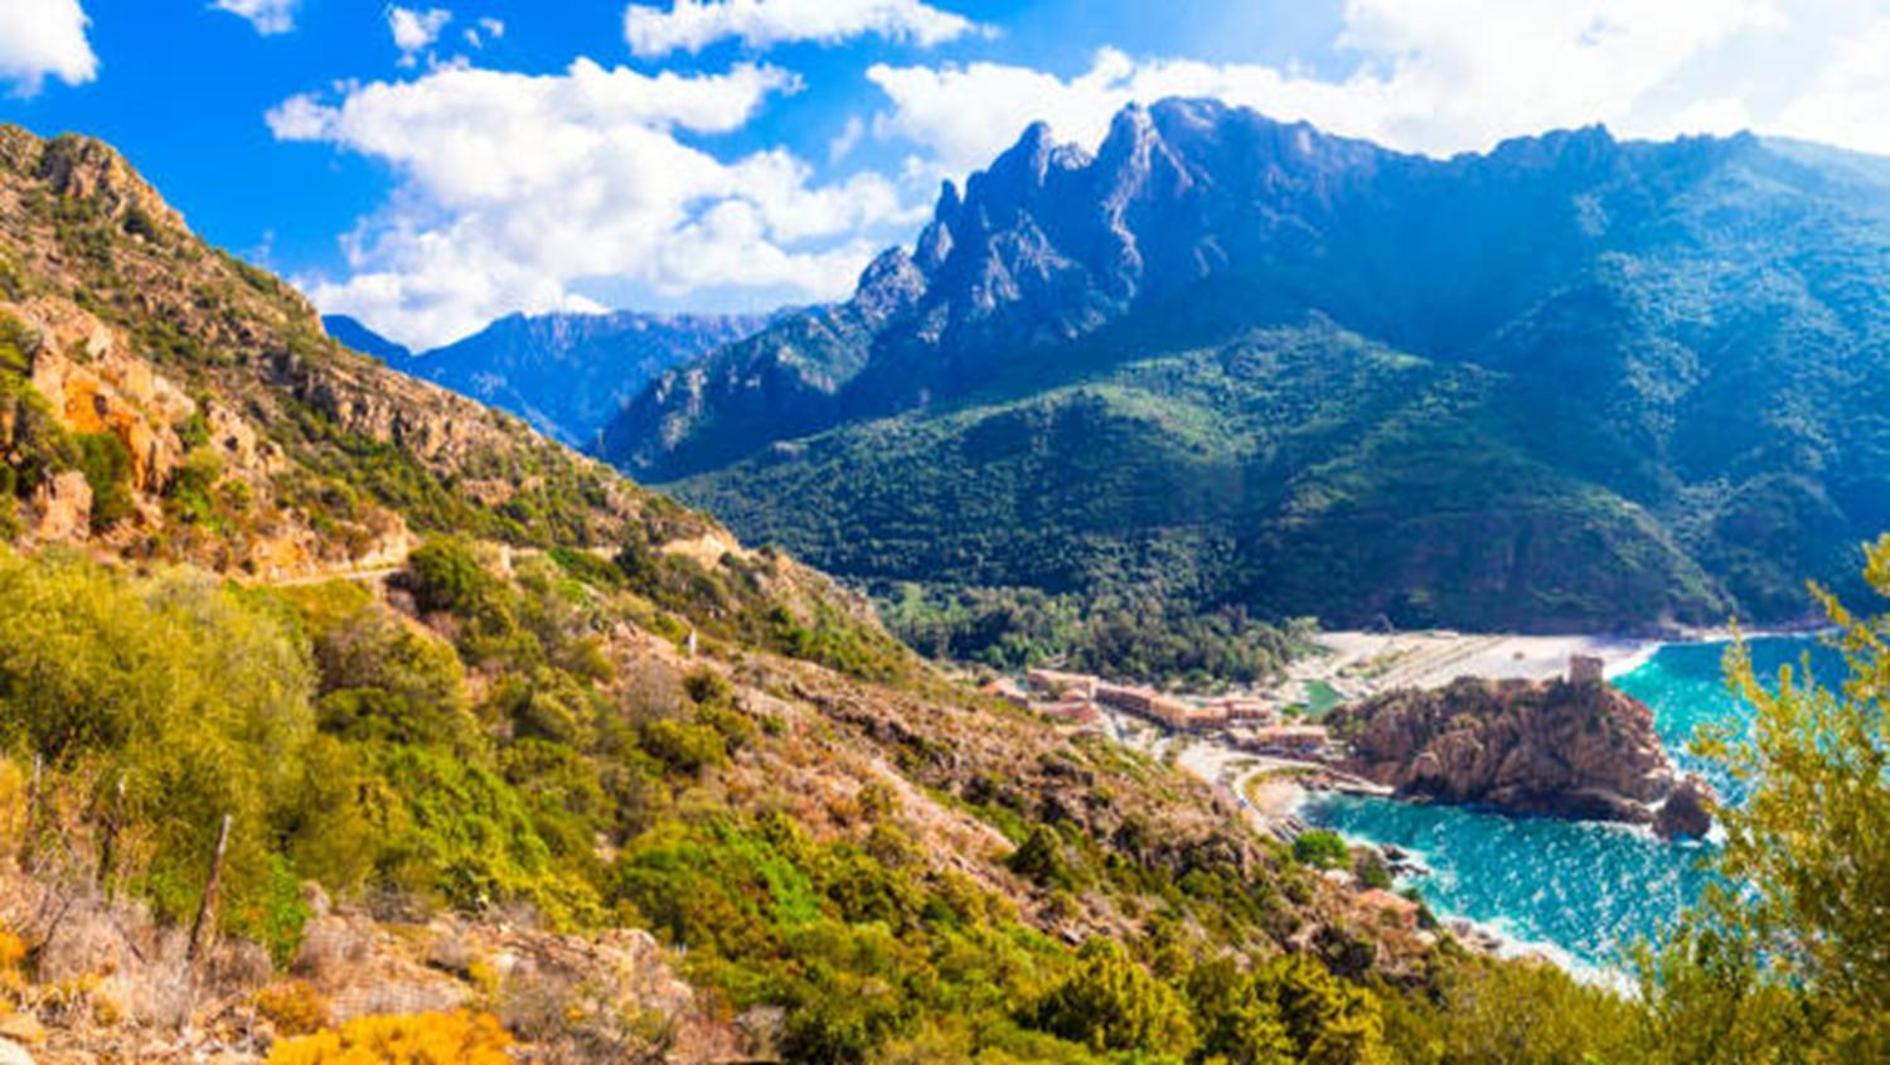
<point x="1639" y="298"/>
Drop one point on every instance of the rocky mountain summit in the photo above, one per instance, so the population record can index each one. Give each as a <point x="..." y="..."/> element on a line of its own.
<point x="1576" y="749"/>
<point x="1574" y="382"/>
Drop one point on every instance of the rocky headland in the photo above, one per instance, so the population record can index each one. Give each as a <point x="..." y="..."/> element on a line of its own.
<point x="1581" y="750"/>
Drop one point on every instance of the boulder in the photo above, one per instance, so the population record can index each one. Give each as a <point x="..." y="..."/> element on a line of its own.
<point x="1688" y="812"/>
<point x="61" y="509"/>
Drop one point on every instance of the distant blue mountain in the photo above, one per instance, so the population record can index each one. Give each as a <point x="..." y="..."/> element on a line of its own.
<point x="1571" y="382"/>
<point x="352" y="333"/>
<point x="567" y="374"/>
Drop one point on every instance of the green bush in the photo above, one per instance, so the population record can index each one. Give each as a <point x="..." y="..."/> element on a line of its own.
<point x="190" y="692"/>
<point x="1042" y="860"/>
<point x="1321" y="849"/>
<point x="1112" y="1003"/>
<point x="107" y="468"/>
<point x="684" y="746"/>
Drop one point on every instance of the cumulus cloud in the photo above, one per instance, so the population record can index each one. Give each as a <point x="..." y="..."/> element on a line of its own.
<point x="41" y="38"/>
<point x="268" y="16"/>
<point x="415" y="31"/>
<point x="515" y="190"/>
<point x="1435" y="76"/>
<point x="692" y="25"/>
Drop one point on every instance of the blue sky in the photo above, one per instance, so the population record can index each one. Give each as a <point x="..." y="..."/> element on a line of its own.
<point x="428" y="167"/>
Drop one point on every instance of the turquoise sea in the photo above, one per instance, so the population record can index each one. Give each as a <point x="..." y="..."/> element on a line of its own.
<point x="1585" y="890"/>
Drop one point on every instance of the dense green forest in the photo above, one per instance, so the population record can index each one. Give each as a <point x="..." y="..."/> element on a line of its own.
<point x="1144" y="638"/>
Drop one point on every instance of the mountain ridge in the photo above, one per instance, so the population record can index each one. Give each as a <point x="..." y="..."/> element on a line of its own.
<point x="1629" y="322"/>
<point x="566" y="373"/>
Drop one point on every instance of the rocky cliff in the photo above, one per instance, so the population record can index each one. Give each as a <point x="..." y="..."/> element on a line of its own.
<point x="164" y="400"/>
<point x="1584" y="751"/>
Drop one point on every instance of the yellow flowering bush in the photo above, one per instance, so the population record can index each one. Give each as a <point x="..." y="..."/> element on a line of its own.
<point x="457" y="1038"/>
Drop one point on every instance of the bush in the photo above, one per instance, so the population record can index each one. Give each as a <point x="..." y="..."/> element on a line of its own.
<point x="1111" y="1003"/>
<point x="685" y="747"/>
<point x="1041" y="860"/>
<point x="444" y="575"/>
<point x="293" y="1006"/>
<point x="458" y="1038"/>
<point x="189" y="691"/>
<point x="1321" y="849"/>
<point x="106" y="464"/>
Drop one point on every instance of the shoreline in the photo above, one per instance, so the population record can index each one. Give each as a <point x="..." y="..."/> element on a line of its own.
<point x="1361" y="663"/>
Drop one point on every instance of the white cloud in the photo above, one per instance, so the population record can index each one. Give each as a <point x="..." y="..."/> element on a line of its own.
<point x="1435" y="76"/>
<point x="1850" y="102"/>
<point x="692" y="25"/>
<point x="268" y="16"/>
<point x="484" y="31"/>
<point x="516" y="190"/>
<point x="44" y="37"/>
<point x="415" y="30"/>
<point x="849" y="138"/>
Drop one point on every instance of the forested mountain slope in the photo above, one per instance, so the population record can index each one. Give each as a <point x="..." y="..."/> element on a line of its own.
<point x="1572" y="382"/>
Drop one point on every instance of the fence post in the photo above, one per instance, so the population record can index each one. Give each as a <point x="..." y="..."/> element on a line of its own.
<point x="32" y="814"/>
<point x="204" y="925"/>
<point x="108" y="849"/>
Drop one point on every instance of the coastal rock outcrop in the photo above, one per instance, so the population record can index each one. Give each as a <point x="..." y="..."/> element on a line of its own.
<point x="1583" y="750"/>
<point x="1687" y="813"/>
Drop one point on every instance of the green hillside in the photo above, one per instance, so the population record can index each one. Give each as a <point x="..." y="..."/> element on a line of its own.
<point x="1301" y="468"/>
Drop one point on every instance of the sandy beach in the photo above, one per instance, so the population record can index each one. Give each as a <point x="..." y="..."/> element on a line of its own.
<point x="1360" y="662"/>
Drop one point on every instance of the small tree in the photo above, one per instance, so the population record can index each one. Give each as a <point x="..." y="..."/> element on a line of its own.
<point x="1111" y="1003"/>
<point x="1793" y="962"/>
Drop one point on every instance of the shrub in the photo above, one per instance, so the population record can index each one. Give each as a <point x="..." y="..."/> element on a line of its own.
<point x="1041" y="860"/>
<point x="106" y="464"/>
<point x="1320" y="849"/>
<point x="293" y="1006"/>
<point x="1112" y="1003"/>
<point x="458" y="1038"/>
<point x="684" y="746"/>
<point x="199" y="699"/>
<point x="190" y="496"/>
<point x="444" y="575"/>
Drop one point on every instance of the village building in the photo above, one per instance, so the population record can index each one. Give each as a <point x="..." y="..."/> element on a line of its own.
<point x="1245" y="710"/>
<point x="1297" y="741"/>
<point x="1149" y="703"/>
